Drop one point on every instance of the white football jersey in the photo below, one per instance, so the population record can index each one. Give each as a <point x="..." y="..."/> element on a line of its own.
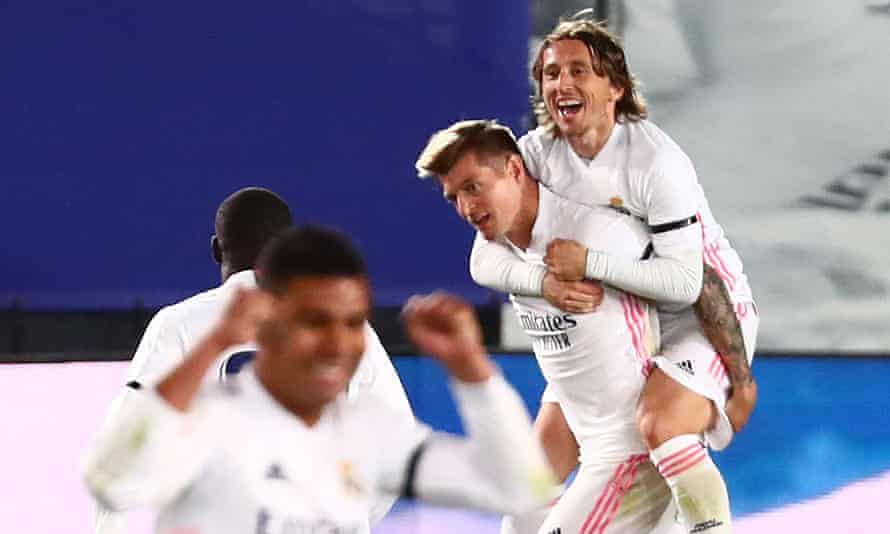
<point x="642" y="170"/>
<point x="237" y="461"/>
<point x="595" y="363"/>
<point x="177" y="328"/>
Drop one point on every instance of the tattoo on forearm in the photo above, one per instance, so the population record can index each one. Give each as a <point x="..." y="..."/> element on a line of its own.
<point x="721" y="326"/>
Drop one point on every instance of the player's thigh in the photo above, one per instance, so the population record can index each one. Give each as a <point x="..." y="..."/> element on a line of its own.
<point x="556" y="439"/>
<point x="627" y="498"/>
<point x="669" y="408"/>
<point x="687" y="394"/>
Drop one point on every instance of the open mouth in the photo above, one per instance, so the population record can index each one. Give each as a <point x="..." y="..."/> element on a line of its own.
<point x="569" y="107"/>
<point x="327" y="372"/>
<point x="480" y="221"/>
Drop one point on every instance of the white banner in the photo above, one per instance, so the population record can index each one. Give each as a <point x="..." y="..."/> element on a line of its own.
<point x="785" y="109"/>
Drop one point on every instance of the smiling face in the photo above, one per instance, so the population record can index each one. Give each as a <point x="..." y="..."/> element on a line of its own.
<point x="312" y="344"/>
<point x="485" y="191"/>
<point x="577" y="98"/>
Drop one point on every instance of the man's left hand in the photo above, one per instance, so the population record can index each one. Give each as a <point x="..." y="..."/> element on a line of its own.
<point x="566" y="259"/>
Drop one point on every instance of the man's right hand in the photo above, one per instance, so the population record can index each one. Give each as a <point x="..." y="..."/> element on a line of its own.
<point x="241" y="320"/>
<point x="584" y="296"/>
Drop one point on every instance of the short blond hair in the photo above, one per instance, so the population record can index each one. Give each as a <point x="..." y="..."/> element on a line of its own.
<point x="484" y="137"/>
<point x="607" y="57"/>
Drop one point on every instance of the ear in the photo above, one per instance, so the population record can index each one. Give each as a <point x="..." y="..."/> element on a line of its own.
<point x="616" y="93"/>
<point x="215" y="249"/>
<point x="515" y="166"/>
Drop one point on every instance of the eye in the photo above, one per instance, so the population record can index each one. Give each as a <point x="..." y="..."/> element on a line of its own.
<point x="473" y="188"/>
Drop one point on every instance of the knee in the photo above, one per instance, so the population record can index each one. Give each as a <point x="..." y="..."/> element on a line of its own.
<point x="654" y="425"/>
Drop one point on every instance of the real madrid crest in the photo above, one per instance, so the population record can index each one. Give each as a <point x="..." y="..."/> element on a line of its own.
<point x="349" y="479"/>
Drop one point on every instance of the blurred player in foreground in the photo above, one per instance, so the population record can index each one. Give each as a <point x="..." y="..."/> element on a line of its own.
<point x="279" y="449"/>
<point x="245" y="221"/>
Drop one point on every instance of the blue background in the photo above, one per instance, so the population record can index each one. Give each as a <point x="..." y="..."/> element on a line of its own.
<point x="820" y="423"/>
<point x="126" y="124"/>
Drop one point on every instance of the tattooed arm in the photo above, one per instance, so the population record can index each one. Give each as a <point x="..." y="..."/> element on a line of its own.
<point x="721" y="326"/>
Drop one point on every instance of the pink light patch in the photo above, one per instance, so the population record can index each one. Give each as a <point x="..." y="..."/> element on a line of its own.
<point x="851" y="509"/>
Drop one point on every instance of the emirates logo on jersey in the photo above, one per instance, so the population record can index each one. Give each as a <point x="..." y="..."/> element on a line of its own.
<point x="534" y="323"/>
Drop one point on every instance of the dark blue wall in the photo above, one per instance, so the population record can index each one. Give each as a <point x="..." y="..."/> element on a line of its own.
<point x="125" y="125"/>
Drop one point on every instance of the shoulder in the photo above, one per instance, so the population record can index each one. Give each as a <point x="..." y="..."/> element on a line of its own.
<point x="653" y="148"/>
<point x="195" y="313"/>
<point x="536" y="143"/>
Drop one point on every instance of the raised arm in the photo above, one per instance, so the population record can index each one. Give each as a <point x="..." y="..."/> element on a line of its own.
<point x="499" y="466"/>
<point x="157" y="442"/>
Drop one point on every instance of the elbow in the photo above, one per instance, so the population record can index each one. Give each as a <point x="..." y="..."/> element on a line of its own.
<point x="684" y="295"/>
<point x="537" y="490"/>
<point x="690" y="288"/>
<point x="98" y="485"/>
<point x="486" y="277"/>
<point x="476" y="272"/>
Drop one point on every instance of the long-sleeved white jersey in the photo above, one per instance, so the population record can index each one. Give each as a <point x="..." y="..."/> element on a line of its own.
<point x="641" y="170"/>
<point x="237" y="461"/>
<point x="595" y="363"/>
<point x="175" y="330"/>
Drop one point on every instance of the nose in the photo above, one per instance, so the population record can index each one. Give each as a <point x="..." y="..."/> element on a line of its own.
<point x="464" y="206"/>
<point x="564" y="80"/>
<point x="342" y="341"/>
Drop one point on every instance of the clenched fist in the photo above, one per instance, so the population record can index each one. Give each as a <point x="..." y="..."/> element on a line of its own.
<point x="566" y="259"/>
<point x="446" y="328"/>
<point x="241" y="320"/>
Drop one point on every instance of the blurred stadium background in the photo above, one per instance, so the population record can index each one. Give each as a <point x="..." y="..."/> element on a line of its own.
<point x="126" y="124"/>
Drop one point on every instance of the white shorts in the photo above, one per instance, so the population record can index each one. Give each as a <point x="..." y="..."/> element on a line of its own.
<point x="689" y="358"/>
<point x="628" y="497"/>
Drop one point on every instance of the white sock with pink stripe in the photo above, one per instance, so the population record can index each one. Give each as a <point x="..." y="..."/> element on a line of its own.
<point x="696" y="483"/>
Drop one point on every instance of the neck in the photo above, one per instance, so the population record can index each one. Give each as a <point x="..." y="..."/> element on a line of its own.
<point x="227" y="269"/>
<point x="520" y="234"/>
<point x="589" y="144"/>
<point x="309" y="415"/>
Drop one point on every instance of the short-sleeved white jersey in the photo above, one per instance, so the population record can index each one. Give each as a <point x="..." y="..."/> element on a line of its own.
<point x="237" y="461"/>
<point x="595" y="363"/>
<point x="640" y="169"/>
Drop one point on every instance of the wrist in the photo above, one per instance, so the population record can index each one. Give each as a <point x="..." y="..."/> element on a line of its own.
<point x="594" y="265"/>
<point x="217" y="341"/>
<point x="473" y="367"/>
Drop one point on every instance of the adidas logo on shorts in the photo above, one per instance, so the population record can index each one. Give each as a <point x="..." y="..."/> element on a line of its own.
<point x="686" y="365"/>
